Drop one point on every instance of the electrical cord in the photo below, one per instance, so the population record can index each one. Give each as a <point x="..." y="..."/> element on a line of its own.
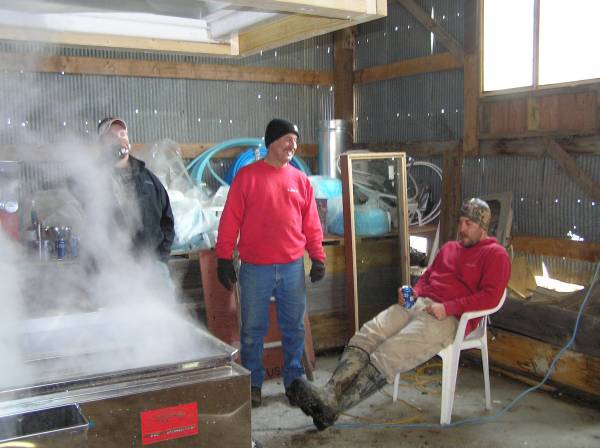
<point x="474" y="420"/>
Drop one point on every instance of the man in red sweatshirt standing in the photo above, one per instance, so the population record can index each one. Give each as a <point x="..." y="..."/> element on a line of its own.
<point x="467" y="275"/>
<point x="271" y="206"/>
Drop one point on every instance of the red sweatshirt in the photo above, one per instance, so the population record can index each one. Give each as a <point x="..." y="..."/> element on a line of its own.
<point x="466" y="278"/>
<point x="275" y="214"/>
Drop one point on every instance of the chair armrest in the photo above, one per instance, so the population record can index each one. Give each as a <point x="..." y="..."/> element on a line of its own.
<point x="466" y="317"/>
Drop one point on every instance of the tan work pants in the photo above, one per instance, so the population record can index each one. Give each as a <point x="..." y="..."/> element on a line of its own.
<point x="399" y="340"/>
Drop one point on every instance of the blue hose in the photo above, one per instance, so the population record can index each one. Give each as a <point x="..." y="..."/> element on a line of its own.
<point x="197" y="166"/>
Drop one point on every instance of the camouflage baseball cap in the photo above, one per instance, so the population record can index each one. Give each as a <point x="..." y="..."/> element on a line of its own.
<point x="477" y="210"/>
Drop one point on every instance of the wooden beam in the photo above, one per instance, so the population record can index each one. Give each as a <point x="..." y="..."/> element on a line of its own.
<point x="527" y="147"/>
<point x="554" y="324"/>
<point x="290" y="29"/>
<point x="557" y="247"/>
<point x="297" y="27"/>
<point x="408" y="67"/>
<point x="471" y="79"/>
<point x="159" y="69"/>
<point x="188" y="151"/>
<point x="581" y="178"/>
<point x="343" y="88"/>
<point x="535" y="147"/>
<point x="532" y="357"/>
<point x="411" y="148"/>
<point x="341" y="9"/>
<point x="451" y="44"/>
<point x="451" y="193"/>
<point x="110" y="41"/>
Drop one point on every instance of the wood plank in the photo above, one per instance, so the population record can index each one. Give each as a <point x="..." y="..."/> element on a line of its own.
<point x="343" y="90"/>
<point x="530" y="357"/>
<point x="578" y="175"/>
<point x="193" y="150"/>
<point x="535" y="146"/>
<point x="553" y="324"/>
<point x="16" y="62"/>
<point x="341" y="9"/>
<point x="568" y="112"/>
<point x="471" y="104"/>
<point x="529" y="147"/>
<point x="280" y="32"/>
<point x="349" y="245"/>
<point x="434" y="148"/>
<point x="451" y="44"/>
<point x="329" y="330"/>
<point x="471" y="79"/>
<point x="110" y="41"/>
<point x="505" y="118"/>
<point x="578" y="250"/>
<point x="188" y="151"/>
<point x="451" y="193"/>
<point x="408" y="67"/>
<point x="534" y="115"/>
<point x="293" y="28"/>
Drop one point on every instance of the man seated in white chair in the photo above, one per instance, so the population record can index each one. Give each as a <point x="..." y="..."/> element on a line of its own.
<point x="469" y="274"/>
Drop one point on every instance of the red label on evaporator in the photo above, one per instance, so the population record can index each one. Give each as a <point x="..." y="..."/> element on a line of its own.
<point x="169" y="423"/>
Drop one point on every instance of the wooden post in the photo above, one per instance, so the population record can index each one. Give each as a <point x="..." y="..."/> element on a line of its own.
<point x="343" y="61"/>
<point x="472" y="85"/>
<point x="451" y="193"/>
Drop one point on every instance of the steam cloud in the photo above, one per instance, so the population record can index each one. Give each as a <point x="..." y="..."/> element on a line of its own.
<point x="106" y="311"/>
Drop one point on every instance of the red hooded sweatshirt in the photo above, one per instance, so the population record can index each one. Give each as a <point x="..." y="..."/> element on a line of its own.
<point x="466" y="278"/>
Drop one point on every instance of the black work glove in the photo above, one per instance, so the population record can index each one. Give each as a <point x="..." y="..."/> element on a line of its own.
<point x="226" y="273"/>
<point x="317" y="271"/>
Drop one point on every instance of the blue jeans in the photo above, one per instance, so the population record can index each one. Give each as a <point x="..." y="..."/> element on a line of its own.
<point x="258" y="283"/>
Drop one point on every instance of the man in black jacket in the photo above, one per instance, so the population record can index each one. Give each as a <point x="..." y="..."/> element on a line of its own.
<point x="143" y="206"/>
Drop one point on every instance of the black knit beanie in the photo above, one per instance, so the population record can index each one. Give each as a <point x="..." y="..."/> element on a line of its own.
<point x="277" y="128"/>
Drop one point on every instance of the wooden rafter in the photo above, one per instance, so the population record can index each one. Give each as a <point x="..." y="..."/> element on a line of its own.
<point x="159" y="69"/>
<point x="557" y="247"/>
<point x="580" y="177"/>
<point x="451" y="44"/>
<point x="294" y="28"/>
<point x="408" y="67"/>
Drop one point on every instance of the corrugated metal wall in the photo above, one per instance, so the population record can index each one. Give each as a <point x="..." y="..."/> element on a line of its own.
<point x="43" y="107"/>
<point x="400" y="36"/>
<point x="546" y="201"/>
<point x="422" y="107"/>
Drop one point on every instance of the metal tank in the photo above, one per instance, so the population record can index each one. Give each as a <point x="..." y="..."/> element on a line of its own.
<point x="333" y="140"/>
<point x="81" y="391"/>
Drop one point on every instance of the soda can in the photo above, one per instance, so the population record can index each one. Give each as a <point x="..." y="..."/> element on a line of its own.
<point x="409" y="300"/>
<point x="60" y="248"/>
<point x="74" y="246"/>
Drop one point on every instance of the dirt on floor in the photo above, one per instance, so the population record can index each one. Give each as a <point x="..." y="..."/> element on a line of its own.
<point x="539" y="420"/>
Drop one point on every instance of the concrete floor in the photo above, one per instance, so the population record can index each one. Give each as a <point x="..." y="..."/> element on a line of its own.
<point x="540" y="420"/>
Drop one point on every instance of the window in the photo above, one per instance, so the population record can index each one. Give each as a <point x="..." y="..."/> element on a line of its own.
<point x="531" y="43"/>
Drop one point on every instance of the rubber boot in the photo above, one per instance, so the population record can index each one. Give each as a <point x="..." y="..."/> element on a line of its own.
<point x="353" y="360"/>
<point x="318" y="403"/>
<point x="369" y="381"/>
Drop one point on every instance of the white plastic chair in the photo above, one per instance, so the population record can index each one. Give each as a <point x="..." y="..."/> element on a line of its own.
<point x="451" y="354"/>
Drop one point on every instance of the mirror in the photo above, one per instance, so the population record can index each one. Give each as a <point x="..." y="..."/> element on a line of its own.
<point x="374" y="188"/>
